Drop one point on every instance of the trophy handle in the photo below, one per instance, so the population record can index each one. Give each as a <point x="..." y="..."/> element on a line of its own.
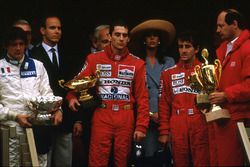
<point x="61" y="83"/>
<point x="218" y="68"/>
<point x="98" y="74"/>
<point x="32" y="106"/>
<point x="205" y="54"/>
<point x="197" y="70"/>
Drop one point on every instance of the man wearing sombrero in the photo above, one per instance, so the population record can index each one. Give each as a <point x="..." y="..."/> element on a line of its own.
<point x="149" y="40"/>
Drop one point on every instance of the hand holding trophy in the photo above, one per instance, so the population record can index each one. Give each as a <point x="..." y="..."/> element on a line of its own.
<point x="43" y="108"/>
<point x="82" y="86"/>
<point x="206" y="79"/>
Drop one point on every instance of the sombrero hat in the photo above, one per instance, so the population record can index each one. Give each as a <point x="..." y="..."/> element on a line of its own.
<point x="166" y="29"/>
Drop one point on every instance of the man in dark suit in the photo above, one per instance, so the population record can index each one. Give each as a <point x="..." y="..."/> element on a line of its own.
<point x="55" y="62"/>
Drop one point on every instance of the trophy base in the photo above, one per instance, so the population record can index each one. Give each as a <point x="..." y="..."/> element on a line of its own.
<point x="41" y="120"/>
<point x="220" y="114"/>
<point x="85" y="98"/>
<point x="90" y="101"/>
<point x="202" y="101"/>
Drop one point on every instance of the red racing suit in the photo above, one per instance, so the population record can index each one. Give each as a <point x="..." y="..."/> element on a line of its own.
<point x="179" y="117"/>
<point x="225" y="144"/>
<point x="121" y="84"/>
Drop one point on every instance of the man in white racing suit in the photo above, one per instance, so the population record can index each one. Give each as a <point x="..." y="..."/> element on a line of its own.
<point x="21" y="78"/>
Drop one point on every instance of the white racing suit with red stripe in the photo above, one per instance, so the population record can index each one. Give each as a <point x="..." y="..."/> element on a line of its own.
<point x="179" y="117"/>
<point x="121" y="84"/>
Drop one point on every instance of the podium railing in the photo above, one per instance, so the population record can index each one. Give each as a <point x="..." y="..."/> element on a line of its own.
<point x="21" y="146"/>
<point x="245" y="136"/>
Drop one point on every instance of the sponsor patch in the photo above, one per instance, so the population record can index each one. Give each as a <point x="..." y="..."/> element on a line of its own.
<point x="26" y="65"/>
<point x="233" y="64"/>
<point x="178" y="76"/>
<point x="126" y="71"/>
<point x="117" y="57"/>
<point x="114" y="93"/>
<point x="184" y="89"/>
<point x="28" y="73"/>
<point x="114" y="97"/>
<point x="105" y="73"/>
<point x="178" y="82"/>
<point x="104" y="67"/>
<point x="114" y="81"/>
<point x="190" y="111"/>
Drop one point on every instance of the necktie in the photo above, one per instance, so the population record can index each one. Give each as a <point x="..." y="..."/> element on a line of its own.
<point x="54" y="59"/>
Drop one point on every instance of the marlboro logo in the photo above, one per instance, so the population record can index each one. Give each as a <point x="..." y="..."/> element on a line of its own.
<point x="178" y="76"/>
<point x="126" y="71"/>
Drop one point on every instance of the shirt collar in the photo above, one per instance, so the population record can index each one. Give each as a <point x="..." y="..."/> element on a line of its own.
<point x="232" y="42"/>
<point x="47" y="47"/>
<point x="113" y="56"/>
<point x="230" y="45"/>
<point x="189" y="65"/>
<point x="14" y="62"/>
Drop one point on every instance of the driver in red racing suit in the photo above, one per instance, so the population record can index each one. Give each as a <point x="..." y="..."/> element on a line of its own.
<point x="178" y="115"/>
<point x="121" y="84"/>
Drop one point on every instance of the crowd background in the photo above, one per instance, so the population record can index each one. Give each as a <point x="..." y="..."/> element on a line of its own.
<point x="79" y="17"/>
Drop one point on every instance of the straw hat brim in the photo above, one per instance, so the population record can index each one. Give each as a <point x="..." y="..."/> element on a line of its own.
<point x="166" y="29"/>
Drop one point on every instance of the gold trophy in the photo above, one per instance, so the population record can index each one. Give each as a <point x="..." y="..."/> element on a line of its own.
<point x="81" y="86"/>
<point x="195" y="83"/>
<point x="206" y="79"/>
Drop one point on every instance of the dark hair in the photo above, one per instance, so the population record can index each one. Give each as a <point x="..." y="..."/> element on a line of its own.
<point x="232" y="15"/>
<point x="160" y="51"/>
<point x="45" y="17"/>
<point x="117" y="23"/>
<point x="191" y="37"/>
<point x="159" y="54"/>
<point x="152" y="32"/>
<point x="13" y="34"/>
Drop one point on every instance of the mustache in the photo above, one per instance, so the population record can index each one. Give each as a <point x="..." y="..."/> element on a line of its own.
<point x="184" y="54"/>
